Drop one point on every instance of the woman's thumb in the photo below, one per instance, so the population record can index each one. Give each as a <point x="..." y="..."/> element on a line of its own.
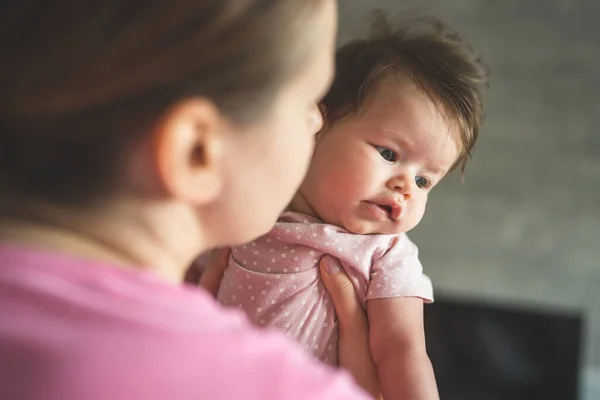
<point x="340" y="288"/>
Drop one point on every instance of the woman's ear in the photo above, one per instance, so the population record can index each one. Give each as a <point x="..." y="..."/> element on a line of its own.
<point x="187" y="150"/>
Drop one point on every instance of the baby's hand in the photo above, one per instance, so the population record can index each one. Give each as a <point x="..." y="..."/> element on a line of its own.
<point x="209" y="274"/>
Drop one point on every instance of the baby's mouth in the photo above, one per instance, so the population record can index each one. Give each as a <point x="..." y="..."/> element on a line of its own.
<point x="393" y="212"/>
<point x="391" y="209"/>
<point x="387" y="209"/>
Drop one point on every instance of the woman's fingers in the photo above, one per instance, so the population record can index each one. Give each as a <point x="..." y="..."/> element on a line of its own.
<point x="354" y="353"/>
<point x="346" y="302"/>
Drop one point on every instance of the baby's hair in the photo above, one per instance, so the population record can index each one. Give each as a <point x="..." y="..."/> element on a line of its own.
<point x="82" y="81"/>
<point x="423" y="50"/>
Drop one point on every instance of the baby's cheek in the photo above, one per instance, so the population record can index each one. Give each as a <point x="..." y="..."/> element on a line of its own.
<point x="419" y="208"/>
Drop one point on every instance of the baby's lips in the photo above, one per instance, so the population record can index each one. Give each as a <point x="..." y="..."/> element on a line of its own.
<point x="397" y="211"/>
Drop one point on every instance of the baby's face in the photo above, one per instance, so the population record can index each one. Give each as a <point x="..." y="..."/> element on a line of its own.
<point x="372" y="173"/>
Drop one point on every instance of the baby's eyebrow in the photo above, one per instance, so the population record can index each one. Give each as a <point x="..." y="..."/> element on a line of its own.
<point x="397" y="136"/>
<point x="437" y="169"/>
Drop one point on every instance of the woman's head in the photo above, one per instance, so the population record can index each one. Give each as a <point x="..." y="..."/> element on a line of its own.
<point x="200" y="102"/>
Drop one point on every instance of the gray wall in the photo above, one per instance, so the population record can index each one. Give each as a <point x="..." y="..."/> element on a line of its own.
<point x="525" y="229"/>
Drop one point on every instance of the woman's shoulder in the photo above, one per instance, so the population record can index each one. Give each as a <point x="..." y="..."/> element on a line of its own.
<point x="143" y="336"/>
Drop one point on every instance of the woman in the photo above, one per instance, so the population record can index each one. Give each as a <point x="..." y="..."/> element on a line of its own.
<point x="136" y="135"/>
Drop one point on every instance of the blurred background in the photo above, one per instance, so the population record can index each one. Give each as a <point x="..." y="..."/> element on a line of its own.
<point x="515" y="252"/>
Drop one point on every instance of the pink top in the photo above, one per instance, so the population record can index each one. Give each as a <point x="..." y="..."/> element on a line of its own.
<point x="74" y="329"/>
<point x="275" y="279"/>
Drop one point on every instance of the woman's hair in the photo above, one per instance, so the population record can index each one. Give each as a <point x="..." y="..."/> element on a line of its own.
<point x="424" y="50"/>
<point x="82" y="80"/>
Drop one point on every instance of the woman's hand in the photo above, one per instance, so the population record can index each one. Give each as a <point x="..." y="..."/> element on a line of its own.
<point x="353" y="344"/>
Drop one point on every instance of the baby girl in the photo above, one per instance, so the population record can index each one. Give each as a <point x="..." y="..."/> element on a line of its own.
<point x="404" y="110"/>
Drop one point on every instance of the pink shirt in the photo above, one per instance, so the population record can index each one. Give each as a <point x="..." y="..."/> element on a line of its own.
<point x="275" y="279"/>
<point x="74" y="329"/>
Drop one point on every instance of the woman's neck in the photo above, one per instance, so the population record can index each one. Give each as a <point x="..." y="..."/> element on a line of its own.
<point x="161" y="238"/>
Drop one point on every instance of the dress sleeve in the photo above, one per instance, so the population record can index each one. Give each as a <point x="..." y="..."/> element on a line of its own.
<point x="399" y="273"/>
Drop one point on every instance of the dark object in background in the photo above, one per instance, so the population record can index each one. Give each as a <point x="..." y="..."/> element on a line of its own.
<point x="484" y="352"/>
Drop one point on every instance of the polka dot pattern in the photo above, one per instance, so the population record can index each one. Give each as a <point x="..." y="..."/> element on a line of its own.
<point x="275" y="279"/>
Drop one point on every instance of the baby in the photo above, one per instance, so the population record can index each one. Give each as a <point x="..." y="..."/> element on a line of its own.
<point x="404" y="110"/>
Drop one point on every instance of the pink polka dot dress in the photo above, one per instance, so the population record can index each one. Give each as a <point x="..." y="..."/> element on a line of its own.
<point x="275" y="279"/>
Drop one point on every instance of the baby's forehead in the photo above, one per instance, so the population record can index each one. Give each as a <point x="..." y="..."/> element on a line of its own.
<point x="399" y="94"/>
<point x="404" y="103"/>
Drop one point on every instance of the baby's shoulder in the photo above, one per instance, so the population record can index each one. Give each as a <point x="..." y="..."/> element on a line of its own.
<point x="398" y="245"/>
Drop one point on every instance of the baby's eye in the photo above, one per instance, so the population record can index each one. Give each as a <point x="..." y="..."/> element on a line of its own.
<point x="421" y="182"/>
<point x="387" y="154"/>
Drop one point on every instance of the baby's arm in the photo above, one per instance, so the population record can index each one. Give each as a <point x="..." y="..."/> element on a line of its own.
<point x="397" y="342"/>
<point x="208" y="269"/>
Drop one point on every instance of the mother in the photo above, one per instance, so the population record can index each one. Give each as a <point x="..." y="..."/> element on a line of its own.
<point x="135" y="135"/>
